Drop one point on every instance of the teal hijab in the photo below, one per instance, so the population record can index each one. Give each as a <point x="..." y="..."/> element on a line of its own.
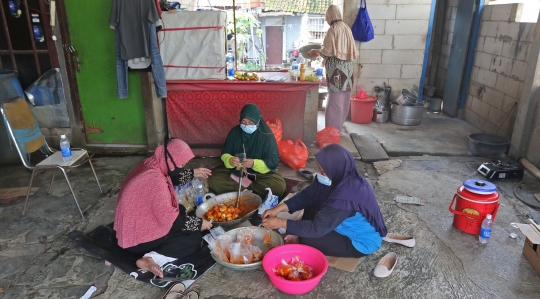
<point x="260" y="144"/>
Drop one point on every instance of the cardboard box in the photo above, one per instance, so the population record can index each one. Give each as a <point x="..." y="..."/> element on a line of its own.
<point x="531" y="248"/>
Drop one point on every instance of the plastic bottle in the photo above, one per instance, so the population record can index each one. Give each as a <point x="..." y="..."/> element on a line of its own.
<point x="319" y="73"/>
<point x="229" y="61"/>
<point x="66" y="149"/>
<point x="199" y="193"/>
<point x="485" y="232"/>
<point x="294" y="68"/>
<point x="302" y="72"/>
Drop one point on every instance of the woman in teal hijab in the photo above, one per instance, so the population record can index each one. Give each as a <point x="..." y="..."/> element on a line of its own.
<point x="254" y="137"/>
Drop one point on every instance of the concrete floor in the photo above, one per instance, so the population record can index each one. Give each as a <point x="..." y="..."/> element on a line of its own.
<point x="445" y="263"/>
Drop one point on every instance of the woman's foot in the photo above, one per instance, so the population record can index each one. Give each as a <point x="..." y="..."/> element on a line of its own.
<point x="148" y="264"/>
<point x="291" y="239"/>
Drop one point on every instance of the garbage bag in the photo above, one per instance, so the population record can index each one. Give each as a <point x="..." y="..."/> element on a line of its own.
<point x="326" y="136"/>
<point x="294" y="155"/>
<point x="46" y="95"/>
<point x="275" y="126"/>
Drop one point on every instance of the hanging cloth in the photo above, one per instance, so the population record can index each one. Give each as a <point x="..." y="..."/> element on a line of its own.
<point x="362" y="29"/>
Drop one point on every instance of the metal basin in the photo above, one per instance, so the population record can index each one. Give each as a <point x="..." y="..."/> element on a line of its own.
<point x="406" y="115"/>
<point x="247" y="198"/>
<point x="276" y="240"/>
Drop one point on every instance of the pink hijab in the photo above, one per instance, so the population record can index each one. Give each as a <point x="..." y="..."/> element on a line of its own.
<point x="147" y="204"/>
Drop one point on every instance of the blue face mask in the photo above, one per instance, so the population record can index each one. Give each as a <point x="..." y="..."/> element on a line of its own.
<point x="248" y="128"/>
<point x="324" y="179"/>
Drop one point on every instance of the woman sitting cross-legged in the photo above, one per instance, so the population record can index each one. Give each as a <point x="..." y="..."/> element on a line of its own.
<point x="341" y="215"/>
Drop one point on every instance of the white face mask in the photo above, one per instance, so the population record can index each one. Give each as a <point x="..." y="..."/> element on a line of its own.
<point x="248" y="128"/>
<point x="324" y="179"/>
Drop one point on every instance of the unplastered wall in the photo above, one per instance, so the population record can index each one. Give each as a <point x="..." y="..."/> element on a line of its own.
<point x="395" y="56"/>
<point x="498" y="71"/>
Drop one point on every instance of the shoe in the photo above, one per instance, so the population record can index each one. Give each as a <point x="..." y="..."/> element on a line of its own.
<point x="386" y="265"/>
<point x="306" y="173"/>
<point x="403" y="240"/>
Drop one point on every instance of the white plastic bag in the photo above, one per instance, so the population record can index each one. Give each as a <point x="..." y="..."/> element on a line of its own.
<point x="269" y="202"/>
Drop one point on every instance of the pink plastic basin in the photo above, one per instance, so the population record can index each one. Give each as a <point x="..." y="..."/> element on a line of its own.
<point x="311" y="257"/>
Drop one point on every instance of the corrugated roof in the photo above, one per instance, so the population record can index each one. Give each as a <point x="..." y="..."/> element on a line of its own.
<point x="303" y="6"/>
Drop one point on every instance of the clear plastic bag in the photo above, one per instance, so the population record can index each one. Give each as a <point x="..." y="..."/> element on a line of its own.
<point x="240" y="254"/>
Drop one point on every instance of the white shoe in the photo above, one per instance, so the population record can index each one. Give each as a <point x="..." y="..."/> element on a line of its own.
<point x="403" y="240"/>
<point x="386" y="265"/>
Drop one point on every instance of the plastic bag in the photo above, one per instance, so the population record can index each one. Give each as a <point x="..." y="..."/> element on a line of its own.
<point x="269" y="202"/>
<point x="275" y="126"/>
<point x="326" y="136"/>
<point x="294" y="155"/>
<point x="362" y="29"/>
<point x="245" y="236"/>
<point x="240" y="254"/>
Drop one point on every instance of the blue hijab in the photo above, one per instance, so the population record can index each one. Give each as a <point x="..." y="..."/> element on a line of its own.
<point x="349" y="190"/>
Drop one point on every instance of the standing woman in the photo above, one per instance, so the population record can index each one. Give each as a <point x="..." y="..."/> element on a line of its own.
<point x="339" y="51"/>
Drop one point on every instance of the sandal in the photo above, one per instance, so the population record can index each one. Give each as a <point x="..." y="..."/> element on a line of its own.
<point x="176" y="291"/>
<point x="306" y="173"/>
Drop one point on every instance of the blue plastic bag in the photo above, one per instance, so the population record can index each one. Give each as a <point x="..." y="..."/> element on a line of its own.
<point x="362" y="29"/>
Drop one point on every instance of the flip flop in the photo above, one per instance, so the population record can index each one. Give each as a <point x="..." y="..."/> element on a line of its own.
<point x="175" y="291"/>
<point x="306" y="173"/>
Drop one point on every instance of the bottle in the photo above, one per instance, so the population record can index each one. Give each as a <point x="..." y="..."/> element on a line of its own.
<point x="229" y="61"/>
<point x="294" y="68"/>
<point x="66" y="149"/>
<point x="485" y="232"/>
<point x="302" y="72"/>
<point x="319" y="73"/>
<point x="199" y="194"/>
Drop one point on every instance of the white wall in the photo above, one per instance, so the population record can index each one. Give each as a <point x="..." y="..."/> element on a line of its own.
<point x="396" y="54"/>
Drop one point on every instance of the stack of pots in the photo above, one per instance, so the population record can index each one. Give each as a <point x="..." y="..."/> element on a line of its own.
<point x="475" y="199"/>
<point x="407" y="111"/>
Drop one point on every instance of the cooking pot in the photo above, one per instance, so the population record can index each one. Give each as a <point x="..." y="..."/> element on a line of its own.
<point x="228" y="199"/>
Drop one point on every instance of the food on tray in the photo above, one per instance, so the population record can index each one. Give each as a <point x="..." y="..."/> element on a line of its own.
<point x="295" y="270"/>
<point x="246" y="76"/>
<point x="223" y="213"/>
<point x="250" y="245"/>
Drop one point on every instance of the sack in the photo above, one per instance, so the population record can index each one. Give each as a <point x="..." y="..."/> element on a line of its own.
<point x="326" y="136"/>
<point x="362" y="29"/>
<point x="294" y="155"/>
<point x="275" y="126"/>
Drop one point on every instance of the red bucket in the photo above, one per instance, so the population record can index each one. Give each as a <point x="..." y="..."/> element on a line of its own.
<point x="472" y="209"/>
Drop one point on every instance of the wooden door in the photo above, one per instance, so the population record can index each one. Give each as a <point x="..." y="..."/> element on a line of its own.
<point x="274" y="45"/>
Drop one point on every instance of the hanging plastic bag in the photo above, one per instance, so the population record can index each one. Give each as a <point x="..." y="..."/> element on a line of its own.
<point x="294" y="155"/>
<point x="269" y="202"/>
<point x="275" y="126"/>
<point x="362" y="29"/>
<point x="326" y="136"/>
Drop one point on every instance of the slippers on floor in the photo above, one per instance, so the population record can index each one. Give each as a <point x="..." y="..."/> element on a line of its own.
<point x="386" y="265"/>
<point x="177" y="291"/>
<point x="398" y="239"/>
<point x="306" y="173"/>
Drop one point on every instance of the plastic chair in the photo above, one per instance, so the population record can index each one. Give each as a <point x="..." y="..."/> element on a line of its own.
<point x="26" y="135"/>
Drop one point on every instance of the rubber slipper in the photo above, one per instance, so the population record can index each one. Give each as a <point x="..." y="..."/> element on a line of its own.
<point x="398" y="239"/>
<point x="175" y="291"/>
<point x="386" y="265"/>
<point x="306" y="173"/>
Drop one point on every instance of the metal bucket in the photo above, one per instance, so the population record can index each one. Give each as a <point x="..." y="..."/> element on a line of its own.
<point x="406" y="115"/>
<point x="381" y="116"/>
<point x="435" y="104"/>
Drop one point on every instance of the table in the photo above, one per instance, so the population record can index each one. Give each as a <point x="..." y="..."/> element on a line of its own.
<point x="202" y="112"/>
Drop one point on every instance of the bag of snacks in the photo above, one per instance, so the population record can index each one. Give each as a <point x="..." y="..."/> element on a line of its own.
<point x="240" y="254"/>
<point x="245" y="236"/>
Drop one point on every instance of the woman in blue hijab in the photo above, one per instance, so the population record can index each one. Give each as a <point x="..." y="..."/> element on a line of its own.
<point x="341" y="215"/>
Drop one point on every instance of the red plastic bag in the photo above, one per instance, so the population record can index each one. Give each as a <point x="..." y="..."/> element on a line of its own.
<point x="326" y="136"/>
<point x="275" y="126"/>
<point x="294" y="155"/>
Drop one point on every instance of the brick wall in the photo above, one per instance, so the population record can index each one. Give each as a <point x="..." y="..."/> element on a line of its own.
<point x="396" y="54"/>
<point x="498" y="70"/>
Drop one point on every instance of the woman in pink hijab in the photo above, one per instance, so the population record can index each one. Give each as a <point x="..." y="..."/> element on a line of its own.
<point x="339" y="51"/>
<point x="148" y="219"/>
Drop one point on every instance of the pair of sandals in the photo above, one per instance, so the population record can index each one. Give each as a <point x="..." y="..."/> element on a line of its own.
<point x="307" y="174"/>
<point x="178" y="291"/>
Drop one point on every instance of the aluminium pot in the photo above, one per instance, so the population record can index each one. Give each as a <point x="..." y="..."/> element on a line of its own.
<point x="380" y="116"/>
<point x="228" y="199"/>
<point x="406" y="115"/>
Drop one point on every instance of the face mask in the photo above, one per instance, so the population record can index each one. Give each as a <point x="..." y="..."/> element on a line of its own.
<point x="324" y="179"/>
<point x="248" y="128"/>
<point x="174" y="174"/>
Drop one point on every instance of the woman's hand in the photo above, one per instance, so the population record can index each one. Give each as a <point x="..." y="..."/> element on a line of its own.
<point x="274" y="223"/>
<point x="206" y="225"/>
<point x="274" y="211"/>
<point x="234" y="161"/>
<point x="248" y="163"/>
<point x="202" y="173"/>
<point x="314" y="53"/>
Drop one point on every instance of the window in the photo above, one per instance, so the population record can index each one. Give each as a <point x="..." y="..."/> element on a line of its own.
<point x="317" y="27"/>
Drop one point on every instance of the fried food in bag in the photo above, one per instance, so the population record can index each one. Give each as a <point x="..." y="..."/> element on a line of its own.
<point x="240" y="254"/>
<point x="296" y="270"/>
<point x="245" y="236"/>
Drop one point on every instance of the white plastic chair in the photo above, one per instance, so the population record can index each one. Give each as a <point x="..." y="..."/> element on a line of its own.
<point x="21" y="124"/>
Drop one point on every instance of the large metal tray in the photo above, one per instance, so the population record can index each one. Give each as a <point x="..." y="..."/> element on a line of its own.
<point x="276" y="240"/>
<point x="229" y="199"/>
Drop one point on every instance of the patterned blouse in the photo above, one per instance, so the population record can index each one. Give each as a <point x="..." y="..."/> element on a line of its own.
<point x="339" y="74"/>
